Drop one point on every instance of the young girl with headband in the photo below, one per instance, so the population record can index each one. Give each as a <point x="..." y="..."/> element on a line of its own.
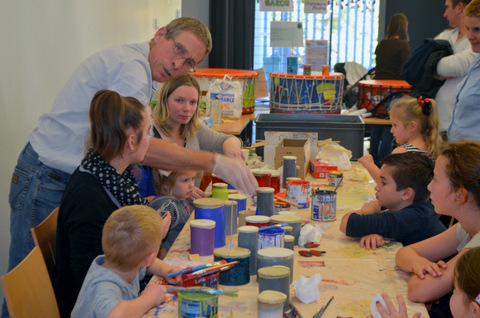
<point x="415" y="128"/>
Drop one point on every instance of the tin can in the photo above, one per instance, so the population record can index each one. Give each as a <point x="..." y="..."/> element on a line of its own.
<point x="325" y="69"/>
<point x="335" y="178"/>
<point x="292" y="64"/>
<point x="307" y="69"/>
<point x="298" y="191"/>
<point x="324" y="205"/>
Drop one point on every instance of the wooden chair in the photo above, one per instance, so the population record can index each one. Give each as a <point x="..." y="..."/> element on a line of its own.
<point x="28" y="289"/>
<point x="44" y="236"/>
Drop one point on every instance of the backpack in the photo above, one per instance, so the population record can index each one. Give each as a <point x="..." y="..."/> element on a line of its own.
<point x="420" y="68"/>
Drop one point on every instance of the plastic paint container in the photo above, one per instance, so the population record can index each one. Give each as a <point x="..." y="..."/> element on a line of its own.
<point x="238" y="274"/>
<point x="257" y="220"/>
<point x="197" y="305"/>
<point x="263" y="177"/>
<point x="212" y="209"/>
<point x="202" y="236"/>
<point x="275" y="278"/>
<point x="275" y="256"/>
<point x="230" y="217"/>
<point x="265" y="201"/>
<point x="270" y="304"/>
<point x="275" y="182"/>
<point x="242" y="215"/>
<point x="241" y="201"/>
<point x="220" y="191"/>
<point x="289" y="241"/>
<point x="298" y="191"/>
<point x="248" y="238"/>
<point x="324" y="205"/>
<point x="295" y="221"/>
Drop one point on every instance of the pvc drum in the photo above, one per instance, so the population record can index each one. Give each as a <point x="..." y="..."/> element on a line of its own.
<point x="220" y="190"/>
<point x="295" y="221"/>
<point x="238" y="274"/>
<point x="289" y="242"/>
<point x="270" y="304"/>
<point x="230" y="217"/>
<point x="241" y="201"/>
<point x="289" y="169"/>
<point x="275" y="256"/>
<point x="212" y="209"/>
<point x="202" y="237"/>
<point x="372" y="92"/>
<point x="248" y="238"/>
<point x="306" y="94"/>
<point x="257" y="220"/>
<point x="265" y="201"/>
<point x="247" y="79"/>
<point x="197" y="305"/>
<point x="275" y="278"/>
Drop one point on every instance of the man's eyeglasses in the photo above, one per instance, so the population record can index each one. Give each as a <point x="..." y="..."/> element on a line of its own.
<point x="180" y="52"/>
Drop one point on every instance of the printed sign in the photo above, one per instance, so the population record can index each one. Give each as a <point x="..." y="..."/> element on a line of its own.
<point x="316" y="6"/>
<point x="276" y="5"/>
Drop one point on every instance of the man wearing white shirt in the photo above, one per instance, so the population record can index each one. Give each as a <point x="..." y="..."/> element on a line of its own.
<point x="452" y="68"/>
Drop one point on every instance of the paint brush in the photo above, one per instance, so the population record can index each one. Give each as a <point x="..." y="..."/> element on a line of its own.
<point x="203" y="290"/>
<point x="212" y="268"/>
<point x="322" y="310"/>
<point x="196" y="268"/>
<point x="289" y="202"/>
<point x="265" y="228"/>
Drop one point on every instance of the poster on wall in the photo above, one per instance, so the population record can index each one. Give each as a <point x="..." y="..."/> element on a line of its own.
<point x="316" y="53"/>
<point x="286" y="34"/>
<point x="315" y="6"/>
<point x="276" y="5"/>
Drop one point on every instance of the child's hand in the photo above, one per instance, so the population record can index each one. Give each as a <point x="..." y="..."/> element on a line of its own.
<point x="402" y="308"/>
<point x="366" y="160"/>
<point x="372" y="241"/>
<point x="197" y="194"/>
<point x="176" y="280"/>
<point x="167" y="221"/>
<point x="426" y="267"/>
<point x="155" y="292"/>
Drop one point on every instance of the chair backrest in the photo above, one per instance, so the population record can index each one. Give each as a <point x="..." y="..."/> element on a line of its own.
<point x="44" y="236"/>
<point x="28" y="289"/>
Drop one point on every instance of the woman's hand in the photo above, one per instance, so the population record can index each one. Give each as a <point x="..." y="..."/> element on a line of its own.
<point x="424" y="267"/>
<point x="232" y="148"/>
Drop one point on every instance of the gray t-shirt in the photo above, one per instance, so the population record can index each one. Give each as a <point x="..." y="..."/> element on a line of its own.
<point x="103" y="289"/>
<point x="466" y="241"/>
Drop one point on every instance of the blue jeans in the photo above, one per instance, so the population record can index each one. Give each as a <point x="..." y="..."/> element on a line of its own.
<point x="36" y="189"/>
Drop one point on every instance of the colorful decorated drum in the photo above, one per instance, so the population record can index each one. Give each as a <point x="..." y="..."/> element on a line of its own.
<point x="248" y="80"/>
<point x="306" y="94"/>
<point x="372" y="92"/>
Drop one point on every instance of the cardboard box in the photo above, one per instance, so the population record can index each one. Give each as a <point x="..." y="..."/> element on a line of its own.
<point x="320" y="170"/>
<point x="300" y="148"/>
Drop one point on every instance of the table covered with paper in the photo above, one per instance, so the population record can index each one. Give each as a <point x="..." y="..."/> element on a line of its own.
<point x="351" y="274"/>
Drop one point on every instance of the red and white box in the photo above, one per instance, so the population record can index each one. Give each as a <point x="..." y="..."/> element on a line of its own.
<point x="320" y="170"/>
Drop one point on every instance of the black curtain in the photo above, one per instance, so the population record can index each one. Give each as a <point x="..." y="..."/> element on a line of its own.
<point x="232" y="24"/>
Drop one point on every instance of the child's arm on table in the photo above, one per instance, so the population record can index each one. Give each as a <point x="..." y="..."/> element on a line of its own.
<point x="372" y="241"/>
<point x="368" y="163"/>
<point x="160" y="268"/>
<point x="368" y="208"/>
<point x="433" y="278"/>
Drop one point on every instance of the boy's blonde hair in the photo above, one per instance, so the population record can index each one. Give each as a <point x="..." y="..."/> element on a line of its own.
<point x="161" y="113"/>
<point x="130" y="234"/>
<point x="164" y="184"/>
<point x="408" y="108"/>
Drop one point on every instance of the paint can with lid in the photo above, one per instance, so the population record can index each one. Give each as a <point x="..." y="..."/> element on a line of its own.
<point x="295" y="221"/>
<point x="270" y="304"/>
<point x="275" y="278"/>
<point x="248" y="238"/>
<point x="238" y="274"/>
<point x="275" y="256"/>
<point x="324" y="205"/>
<point x="212" y="209"/>
<point x="202" y="236"/>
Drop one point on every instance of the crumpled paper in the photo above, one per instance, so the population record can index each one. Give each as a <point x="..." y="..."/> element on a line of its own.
<point x="335" y="154"/>
<point x="306" y="289"/>
<point x="310" y="233"/>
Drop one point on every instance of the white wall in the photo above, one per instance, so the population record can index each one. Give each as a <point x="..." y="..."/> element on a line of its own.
<point x="41" y="44"/>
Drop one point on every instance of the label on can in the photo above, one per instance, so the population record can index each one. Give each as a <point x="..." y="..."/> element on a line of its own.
<point x="335" y="178"/>
<point x="324" y="205"/>
<point x="271" y="238"/>
<point x="298" y="191"/>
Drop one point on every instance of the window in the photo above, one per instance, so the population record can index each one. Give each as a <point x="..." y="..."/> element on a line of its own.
<point x="350" y="26"/>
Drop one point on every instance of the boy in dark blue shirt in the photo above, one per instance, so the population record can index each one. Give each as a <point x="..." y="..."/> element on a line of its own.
<point x="408" y="216"/>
